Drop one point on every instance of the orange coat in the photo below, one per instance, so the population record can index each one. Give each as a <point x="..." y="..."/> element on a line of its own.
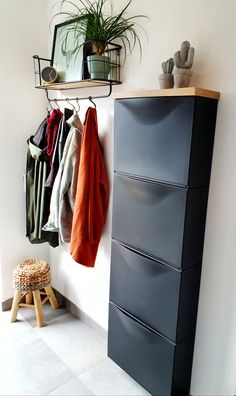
<point x="91" y="199"/>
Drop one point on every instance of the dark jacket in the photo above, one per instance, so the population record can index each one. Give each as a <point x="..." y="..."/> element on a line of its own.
<point x="62" y="133"/>
<point x="64" y="188"/>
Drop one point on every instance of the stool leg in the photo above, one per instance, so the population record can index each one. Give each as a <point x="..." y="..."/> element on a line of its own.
<point x="38" y="308"/>
<point x="29" y="298"/>
<point x="52" y="297"/>
<point x="15" y="305"/>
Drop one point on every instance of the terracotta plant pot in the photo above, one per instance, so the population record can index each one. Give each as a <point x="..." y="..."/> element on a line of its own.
<point x="182" y="77"/>
<point x="166" y="80"/>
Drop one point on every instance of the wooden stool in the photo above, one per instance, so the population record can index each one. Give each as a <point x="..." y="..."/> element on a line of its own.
<point x="29" y="279"/>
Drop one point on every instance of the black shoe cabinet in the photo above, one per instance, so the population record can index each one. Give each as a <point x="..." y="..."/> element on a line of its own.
<point x="163" y="152"/>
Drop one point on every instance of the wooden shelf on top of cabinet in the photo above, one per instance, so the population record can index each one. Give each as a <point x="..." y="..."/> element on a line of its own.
<point x="78" y="84"/>
<point x="189" y="91"/>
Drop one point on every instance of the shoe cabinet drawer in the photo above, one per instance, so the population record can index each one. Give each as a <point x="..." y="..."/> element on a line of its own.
<point x="152" y="292"/>
<point x="161" y="367"/>
<point x="162" y="221"/>
<point x="165" y="139"/>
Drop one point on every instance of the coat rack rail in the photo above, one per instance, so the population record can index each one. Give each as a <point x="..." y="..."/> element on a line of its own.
<point x="77" y="99"/>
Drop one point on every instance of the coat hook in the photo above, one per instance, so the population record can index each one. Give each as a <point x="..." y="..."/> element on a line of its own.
<point x="91" y="100"/>
<point x="77" y="101"/>
<point x="68" y="101"/>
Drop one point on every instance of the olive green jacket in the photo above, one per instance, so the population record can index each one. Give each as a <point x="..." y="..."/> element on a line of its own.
<point x="37" y="196"/>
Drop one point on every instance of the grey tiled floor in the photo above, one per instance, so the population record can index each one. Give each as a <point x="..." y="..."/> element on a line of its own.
<point x="66" y="357"/>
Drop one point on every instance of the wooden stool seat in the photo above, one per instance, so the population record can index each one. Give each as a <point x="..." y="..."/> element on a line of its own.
<point x="32" y="279"/>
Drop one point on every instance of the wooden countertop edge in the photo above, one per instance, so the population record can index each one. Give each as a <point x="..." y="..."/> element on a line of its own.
<point x="189" y="91"/>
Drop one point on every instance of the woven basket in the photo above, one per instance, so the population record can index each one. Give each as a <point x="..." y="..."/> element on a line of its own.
<point x="31" y="274"/>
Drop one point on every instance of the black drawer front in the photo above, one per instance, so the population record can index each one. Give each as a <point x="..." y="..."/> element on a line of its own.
<point x="151" y="218"/>
<point x="146" y="289"/>
<point x="158" y="138"/>
<point x="151" y="292"/>
<point x="153" y="137"/>
<point x="148" y="357"/>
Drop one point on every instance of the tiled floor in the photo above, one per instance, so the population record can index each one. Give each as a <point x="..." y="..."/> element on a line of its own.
<point x="66" y="357"/>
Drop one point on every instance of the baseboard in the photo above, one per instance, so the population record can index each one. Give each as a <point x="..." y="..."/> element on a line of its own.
<point x="6" y="305"/>
<point x="76" y="311"/>
<point x="70" y="307"/>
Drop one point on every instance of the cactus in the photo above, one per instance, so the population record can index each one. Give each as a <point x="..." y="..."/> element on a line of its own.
<point x="168" y="66"/>
<point x="184" y="58"/>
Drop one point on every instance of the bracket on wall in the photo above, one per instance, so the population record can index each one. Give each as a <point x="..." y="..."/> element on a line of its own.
<point x="80" y="84"/>
<point x="77" y="99"/>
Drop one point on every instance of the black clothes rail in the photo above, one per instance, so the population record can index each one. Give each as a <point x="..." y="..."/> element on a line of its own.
<point x="77" y="99"/>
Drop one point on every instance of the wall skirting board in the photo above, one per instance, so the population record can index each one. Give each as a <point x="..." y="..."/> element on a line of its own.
<point x="6" y="305"/>
<point x="70" y="307"/>
<point x="81" y="315"/>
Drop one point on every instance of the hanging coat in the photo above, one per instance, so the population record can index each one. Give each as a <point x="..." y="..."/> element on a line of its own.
<point x="91" y="200"/>
<point x="39" y="138"/>
<point x="37" y="196"/>
<point x="62" y="133"/>
<point x="37" y="170"/>
<point x="64" y="188"/>
<point x="51" y="132"/>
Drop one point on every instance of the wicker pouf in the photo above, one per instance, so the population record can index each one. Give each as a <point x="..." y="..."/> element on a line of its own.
<point x="31" y="279"/>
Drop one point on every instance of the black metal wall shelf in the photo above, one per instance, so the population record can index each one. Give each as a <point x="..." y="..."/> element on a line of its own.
<point x="69" y="85"/>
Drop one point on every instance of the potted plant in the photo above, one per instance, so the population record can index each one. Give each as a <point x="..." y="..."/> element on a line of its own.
<point x="166" y="79"/>
<point x="100" y="27"/>
<point x="183" y="60"/>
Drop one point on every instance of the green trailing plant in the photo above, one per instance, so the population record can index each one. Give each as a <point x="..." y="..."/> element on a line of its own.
<point x="93" y="21"/>
<point x="184" y="58"/>
<point x="168" y="66"/>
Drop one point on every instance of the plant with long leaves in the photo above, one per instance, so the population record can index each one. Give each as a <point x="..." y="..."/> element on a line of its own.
<point x="99" y="27"/>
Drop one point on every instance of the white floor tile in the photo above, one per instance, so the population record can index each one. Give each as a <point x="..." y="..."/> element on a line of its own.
<point x="79" y="346"/>
<point x="7" y="329"/>
<point x="72" y="388"/>
<point x="49" y="314"/>
<point x="29" y="367"/>
<point x="106" y="378"/>
<point x="64" y="358"/>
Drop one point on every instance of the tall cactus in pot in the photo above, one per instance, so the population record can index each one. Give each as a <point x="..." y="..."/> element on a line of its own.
<point x="183" y="60"/>
<point x="184" y="57"/>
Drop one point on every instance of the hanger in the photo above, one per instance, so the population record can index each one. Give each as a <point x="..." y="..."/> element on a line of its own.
<point x="77" y="101"/>
<point x="68" y="101"/>
<point x="91" y="100"/>
<point x="49" y="109"/>
<point x="56" y="103"/>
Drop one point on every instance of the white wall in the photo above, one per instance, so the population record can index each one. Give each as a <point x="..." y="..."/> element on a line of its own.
<point x="209" y="25"/>
<point x="23" y="32"/>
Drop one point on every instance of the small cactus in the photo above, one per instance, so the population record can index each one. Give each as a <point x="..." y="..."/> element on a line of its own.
<point x="184" y="58"/>
<point x="168" y="66"/>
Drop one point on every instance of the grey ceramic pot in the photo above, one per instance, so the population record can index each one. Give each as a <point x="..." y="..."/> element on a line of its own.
<point x="99" y="66"/>
<point x="166" y="80"/>
<point x="182" y="77"/>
